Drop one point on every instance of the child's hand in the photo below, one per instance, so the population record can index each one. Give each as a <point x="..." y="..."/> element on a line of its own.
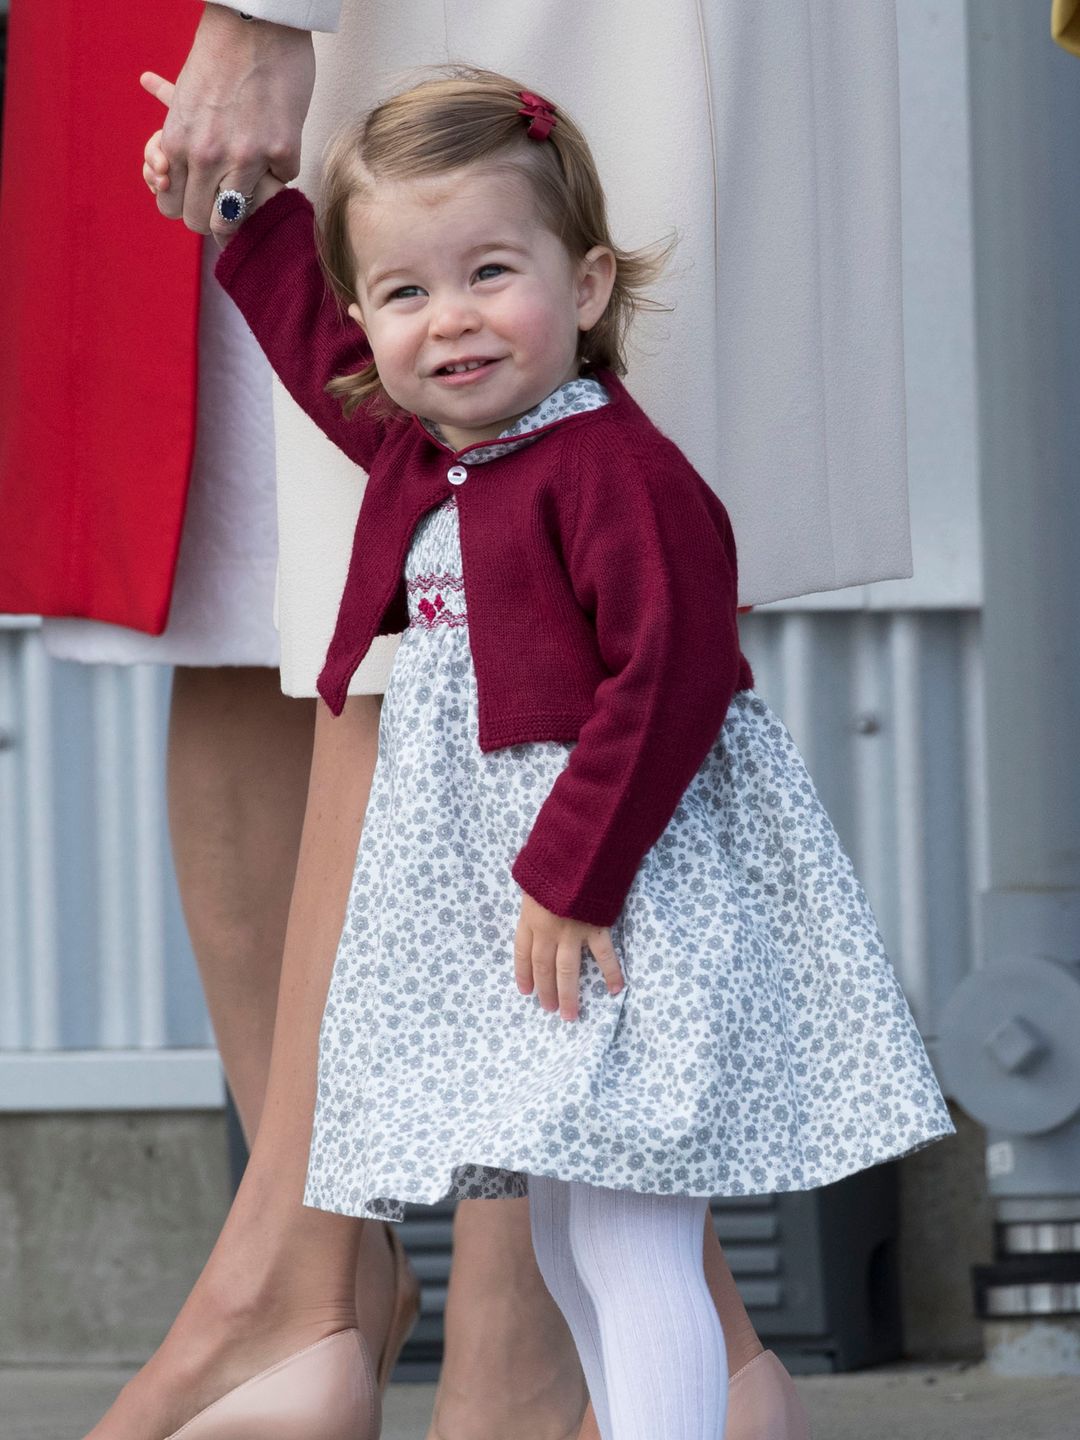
<point x="547" y="957"/>
<point x="156" y="162"/>
<point x="155" y="170"/>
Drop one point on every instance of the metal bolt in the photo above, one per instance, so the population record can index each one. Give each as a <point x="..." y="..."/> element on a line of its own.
<point x="1016" y="1045"/>
<point x="867" y="724"/>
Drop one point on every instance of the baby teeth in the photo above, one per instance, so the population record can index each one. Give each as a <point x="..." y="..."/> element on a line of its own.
<point x="458" y="369"/>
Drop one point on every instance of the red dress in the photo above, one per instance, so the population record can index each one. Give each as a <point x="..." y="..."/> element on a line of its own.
<point x="99" y="318"/>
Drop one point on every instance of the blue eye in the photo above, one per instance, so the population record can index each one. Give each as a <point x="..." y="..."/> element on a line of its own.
<point x="405" y="292"/>
<point x="490" y="272"/>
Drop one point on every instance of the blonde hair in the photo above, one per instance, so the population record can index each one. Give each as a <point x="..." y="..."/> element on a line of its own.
<point x="465" y="116"/>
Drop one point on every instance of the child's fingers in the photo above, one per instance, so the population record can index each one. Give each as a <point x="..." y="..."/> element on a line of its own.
<point x="155" y="165"/>
<point x="543" y="965"/>
<point x="158" y="184"/>
<point x="153" y="153"/>
<point x="604" y="954"/>
<point x="163" y="90"/>
<point x="266" y="189"/>
<point x="568" y="978"/>
<point x="158" y="86"/>
<point x="523" y="968"/>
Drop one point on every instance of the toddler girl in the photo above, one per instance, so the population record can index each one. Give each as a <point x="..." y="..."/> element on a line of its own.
<point x="577" y="789"/>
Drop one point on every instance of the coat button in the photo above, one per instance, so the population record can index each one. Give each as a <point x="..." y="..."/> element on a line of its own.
<point x="457" y="474"/>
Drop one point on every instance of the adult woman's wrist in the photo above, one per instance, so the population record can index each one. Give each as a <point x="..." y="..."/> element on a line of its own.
<point x="269" y="16"/>
<point x="255" y="29"/>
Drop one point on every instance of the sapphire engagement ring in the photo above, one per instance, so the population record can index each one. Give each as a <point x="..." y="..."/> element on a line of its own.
<point x="231" y="206"/>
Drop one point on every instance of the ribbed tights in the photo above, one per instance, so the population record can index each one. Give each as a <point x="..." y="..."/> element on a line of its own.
<point x="626" y="1271"/>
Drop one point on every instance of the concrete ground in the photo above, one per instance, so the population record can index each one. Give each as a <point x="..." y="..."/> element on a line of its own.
<point x="897" y="1402"/>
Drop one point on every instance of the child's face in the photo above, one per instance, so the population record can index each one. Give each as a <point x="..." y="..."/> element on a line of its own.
<point x="458" y="270"/>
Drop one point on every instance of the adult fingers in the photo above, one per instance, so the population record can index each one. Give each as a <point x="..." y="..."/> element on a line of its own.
<point x="523" y="969"/>
<point x="568" y="978"/>
<point x="543" y="964"/>
<point x="197" y="159"/>
<point x="603" y="952"/>
<point x="245" y="182"/>
<point x="204" y="177"/>
<point x="237" y="110"/>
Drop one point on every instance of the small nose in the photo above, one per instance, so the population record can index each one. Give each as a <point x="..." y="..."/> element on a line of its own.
<point x="453" y="315"/>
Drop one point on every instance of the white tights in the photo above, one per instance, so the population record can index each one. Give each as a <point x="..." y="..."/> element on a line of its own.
<point x="626" y="1271"/>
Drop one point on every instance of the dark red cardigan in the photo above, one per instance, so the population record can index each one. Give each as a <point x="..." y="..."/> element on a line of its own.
<point x="599" y="570"/>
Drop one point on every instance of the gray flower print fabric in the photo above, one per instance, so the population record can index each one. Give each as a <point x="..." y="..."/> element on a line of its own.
<point x="762" y="1042"/>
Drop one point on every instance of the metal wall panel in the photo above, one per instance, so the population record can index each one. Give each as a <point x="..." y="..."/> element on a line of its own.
<point x="885" y="707"/>
<point x="94" y="951"/>
<point x="887" y="711"/>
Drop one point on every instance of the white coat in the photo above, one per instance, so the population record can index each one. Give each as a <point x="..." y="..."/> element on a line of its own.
<point x="767" y="136"/>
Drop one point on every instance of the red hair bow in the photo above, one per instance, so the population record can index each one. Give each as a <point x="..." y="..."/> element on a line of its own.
<point x="540" y="114"/>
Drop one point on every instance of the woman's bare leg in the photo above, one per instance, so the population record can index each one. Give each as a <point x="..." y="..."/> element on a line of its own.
<point x="509" y="1367"/>
<point x="281" y="1275"/>
<point x="239" y="764"/>
<point x="239" y="759"/>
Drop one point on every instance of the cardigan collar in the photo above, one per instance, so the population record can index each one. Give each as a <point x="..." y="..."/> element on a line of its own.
<point x="574" y="398"/>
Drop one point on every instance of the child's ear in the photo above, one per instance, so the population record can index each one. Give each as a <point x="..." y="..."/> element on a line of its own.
<point x="357" y="314"/>
<point x="596" y="278"/>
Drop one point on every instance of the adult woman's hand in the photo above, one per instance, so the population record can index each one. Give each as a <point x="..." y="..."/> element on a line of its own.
<point x="156" y="163"/>
<point x="237" y="113"/>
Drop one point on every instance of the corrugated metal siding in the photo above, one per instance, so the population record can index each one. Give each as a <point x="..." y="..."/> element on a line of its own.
<point x="884" y="706"/>
<point x="95" y="953"/>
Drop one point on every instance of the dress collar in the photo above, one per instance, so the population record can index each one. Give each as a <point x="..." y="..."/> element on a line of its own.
<point x="574" y="398"/>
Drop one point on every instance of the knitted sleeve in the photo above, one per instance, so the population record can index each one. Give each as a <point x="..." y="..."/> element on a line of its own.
<point x="271" y="270"/>
<point x="651" y="560"/>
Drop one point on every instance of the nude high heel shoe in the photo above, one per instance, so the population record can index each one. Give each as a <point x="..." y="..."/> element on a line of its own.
<point x="326" y="1392"/>
<point x="763" y="1403"/>
<point x="406" y="1308"/>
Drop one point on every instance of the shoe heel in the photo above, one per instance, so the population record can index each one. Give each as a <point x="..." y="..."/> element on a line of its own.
<point x="763" y="1403"/>
<point x="326" y="1392"/>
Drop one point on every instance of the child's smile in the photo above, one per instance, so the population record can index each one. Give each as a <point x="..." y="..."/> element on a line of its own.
<point x="472" y="306"/>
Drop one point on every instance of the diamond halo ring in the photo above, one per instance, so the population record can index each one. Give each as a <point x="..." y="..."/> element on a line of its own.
<point x="231" y="205"/>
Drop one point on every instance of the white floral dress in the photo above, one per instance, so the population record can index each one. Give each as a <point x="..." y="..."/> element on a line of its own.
<point x="762" y="1042"/>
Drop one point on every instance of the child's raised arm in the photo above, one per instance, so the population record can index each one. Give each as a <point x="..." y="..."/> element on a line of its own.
<point x="270" y="268"/>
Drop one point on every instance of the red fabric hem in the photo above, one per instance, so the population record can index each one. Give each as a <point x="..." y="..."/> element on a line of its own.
<point x="99" y="314"/>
